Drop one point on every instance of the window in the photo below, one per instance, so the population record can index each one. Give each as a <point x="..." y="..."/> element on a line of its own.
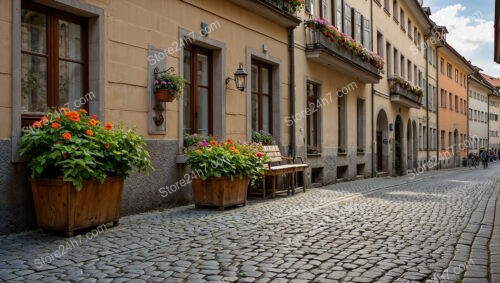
<point x="367" y="34"/>
<point x="425" y="137"/>
<point x="415" y="36"/>
<point x="465" y="81"/>
<point x="461" y="106"/>
<point x="418" y="39"/>
<point x="361" y="123"/>
<point x="348" y="19"/>
<point x="456" y="103"/>
<point x="450" y="141"/>
<point x="338" y="14"/>
<point x="415" y="74"/>
<point x="323" y="10"/>
<point x="357" y="26"/>
<point x="309" y="6"/>
<point x="403" y="74"/>
<point x="461" y="77"/>
<point x="54" y="60"/>
<point x="470" y="114"/>
<point x="395" y="10"/>
<point x="420" y="81"/>
<point x="409" y="69"/>
<point x="450" y="96"/>
<point x="342" y="118"/>
<point x="410" y="34"/>
<point x="456" y="75"/>
<point x="442" y="65"/>
<point x="448" y="70"/>
<point x="261" y="97"/>
<point x="380" y="44"/>
<point x="386" y="6"/>
<point x="443" y="98"/>
<point x="396" y="62"/>
<point x="388" y="57"/>
<point x="442" y="139"/>
<point x="402" y="19"/>
<point x="198" y="91"/>
<point x="312" y="119"/>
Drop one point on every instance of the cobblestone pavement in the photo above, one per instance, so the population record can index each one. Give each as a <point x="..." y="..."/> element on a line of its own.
<point x="435" y="227"/>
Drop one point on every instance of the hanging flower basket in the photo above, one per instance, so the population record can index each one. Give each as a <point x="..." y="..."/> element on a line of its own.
<point x="162" y="95"/>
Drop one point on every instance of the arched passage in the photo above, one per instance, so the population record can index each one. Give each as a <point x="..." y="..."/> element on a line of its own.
<point x="409" y="141"/>
<point x="415" y="145"/>
<point x="398" y="146"/>
<point x="382" y="141"/>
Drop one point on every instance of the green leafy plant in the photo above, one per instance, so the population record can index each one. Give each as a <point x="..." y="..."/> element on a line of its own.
<point x="194" y="139"/>
<point x="406" y="85"/>
<point x="76" y="147"/>
<point x="171" y="82"/>
<point x="295" y="5"/>
<point x="262" y="138"/>
<point x="361" y="149"/>
<point x="227" y="159"/>
<point x="341" y="150"/>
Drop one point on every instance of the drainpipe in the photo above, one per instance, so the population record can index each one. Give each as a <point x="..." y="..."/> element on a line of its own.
<point x="437" y="112"/>
<point x="468" y="133"/>
<point x="427" y="95"/>
<point x="291" y="49"/>
<point x="373" y="98"/>
<point x="488" y="119"/>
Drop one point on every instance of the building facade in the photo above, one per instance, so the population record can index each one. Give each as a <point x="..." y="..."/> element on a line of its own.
<point x="453" y="126"/>
<point x="494" y="110"/>
<point x="107" y="52"/>
<point x="480" y="92"/>
<point x="319" y="94"/>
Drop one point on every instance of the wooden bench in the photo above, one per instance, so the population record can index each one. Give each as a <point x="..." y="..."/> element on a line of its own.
<point x="277" y="167"/>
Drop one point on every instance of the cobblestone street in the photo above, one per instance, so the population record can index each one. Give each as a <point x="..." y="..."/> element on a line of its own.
<point x="434" y="227"/>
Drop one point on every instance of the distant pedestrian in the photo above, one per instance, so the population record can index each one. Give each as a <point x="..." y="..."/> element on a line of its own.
<point x="484" y="158"/>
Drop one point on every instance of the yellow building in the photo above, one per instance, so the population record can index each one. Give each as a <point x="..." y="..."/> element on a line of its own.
<point x="102" y="56"/>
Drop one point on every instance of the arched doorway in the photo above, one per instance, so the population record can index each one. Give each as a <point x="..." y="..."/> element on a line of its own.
<point x="382" y="140"/>
<point x="398" y="146"/>
<point x="455" y="149"/>
<point x="409" y="141"/>
<point x="415" y="145"/>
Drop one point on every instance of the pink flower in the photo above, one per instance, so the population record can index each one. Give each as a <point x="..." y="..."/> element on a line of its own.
<point x="94" y="116"/>
<point x="259" y="154"/>
<point x="156" y="82"/>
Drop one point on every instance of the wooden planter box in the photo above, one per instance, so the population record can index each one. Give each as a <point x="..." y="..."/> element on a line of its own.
<point x="220" y="192"/>
<point x="60" y="207"/>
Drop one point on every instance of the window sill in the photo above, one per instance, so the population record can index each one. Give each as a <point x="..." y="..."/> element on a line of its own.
<point x="360" y="153"/>
<point x="342" y="154"/>
<point x="180" y="159"/>
<point x="313" y="155"/>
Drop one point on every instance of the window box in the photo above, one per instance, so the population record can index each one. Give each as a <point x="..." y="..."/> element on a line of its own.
<point x="403" y="93"/>
<point x="327" y="46"/>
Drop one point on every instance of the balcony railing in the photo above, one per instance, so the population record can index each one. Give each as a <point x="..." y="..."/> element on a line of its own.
<point x="329" y="52"/>
<point x="278" y="11"/>
<point x="402" y="96"/>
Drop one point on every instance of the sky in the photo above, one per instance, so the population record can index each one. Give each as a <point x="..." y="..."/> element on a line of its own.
<point x="470" y="24"/>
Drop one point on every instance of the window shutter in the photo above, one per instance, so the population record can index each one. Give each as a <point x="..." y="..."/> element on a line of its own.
<point x="367" y="34"/>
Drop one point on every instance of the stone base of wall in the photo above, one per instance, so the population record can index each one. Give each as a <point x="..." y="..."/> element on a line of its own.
<point x="329" y="161"/>
<point x="140" y="194"/>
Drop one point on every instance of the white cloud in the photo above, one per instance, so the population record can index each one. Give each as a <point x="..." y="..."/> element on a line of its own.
<point x="467" y="31"/>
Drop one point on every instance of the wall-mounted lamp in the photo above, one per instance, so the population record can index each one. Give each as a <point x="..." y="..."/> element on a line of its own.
<point x="240" y="78"/>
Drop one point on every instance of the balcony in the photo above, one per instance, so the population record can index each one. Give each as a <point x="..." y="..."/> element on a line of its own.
<point x="328" y="52"/>
<point x="403" y="95"/>
<point x="278" y="11"/>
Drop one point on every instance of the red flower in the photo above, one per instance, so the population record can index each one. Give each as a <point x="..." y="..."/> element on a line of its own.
<point x="56" y="125"/>
<point x="259" y="154"/>
<point x="94" y="116"/>
<point x="108" y="126"/>
<point x="66" y="136"/>
<point x="106" y="145"/>
<point x="89" y="132"/>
